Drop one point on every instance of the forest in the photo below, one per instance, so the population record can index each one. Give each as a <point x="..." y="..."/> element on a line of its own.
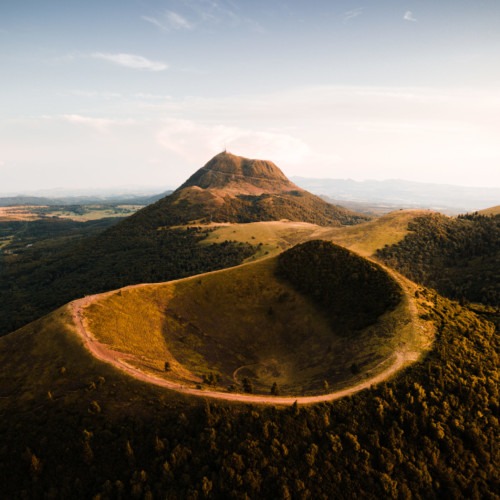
<point x="339" y="281"/>
<point x="431" y="432"/>
<point x="291" y="206"/>
<point x="51" y="273"/>
<point x="459" y="257"/>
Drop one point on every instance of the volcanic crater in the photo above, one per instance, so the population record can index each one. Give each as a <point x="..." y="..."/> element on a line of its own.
<point x="314" y="319"/>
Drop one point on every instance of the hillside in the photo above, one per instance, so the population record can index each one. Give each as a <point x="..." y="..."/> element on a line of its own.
<point x="146" y="248"/>
<point x="459" y="257"/>
<point x="231" y="188"/>
<point x="45" y="276"/>
<point x="74" y="427"/>
<point x="254" y="322"/>
<point x="490" y="211"/>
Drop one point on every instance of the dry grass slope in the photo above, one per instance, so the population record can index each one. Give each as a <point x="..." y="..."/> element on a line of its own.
<point x="276" y="236"/>
<point x="243" y="323"/>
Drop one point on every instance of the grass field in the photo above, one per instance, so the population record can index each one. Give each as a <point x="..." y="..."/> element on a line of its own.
<point x="491" y="211"/>
<point x="243" y="323"/>
<point x="24" y="213"/>
<point x="276" y="236"/>
<point x="79" y="213"/>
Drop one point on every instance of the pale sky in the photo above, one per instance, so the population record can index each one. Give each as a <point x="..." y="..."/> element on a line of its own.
<point x="142" y="93"/>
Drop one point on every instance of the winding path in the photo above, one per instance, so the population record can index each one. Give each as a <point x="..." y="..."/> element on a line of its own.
<point x="119" y="360"/>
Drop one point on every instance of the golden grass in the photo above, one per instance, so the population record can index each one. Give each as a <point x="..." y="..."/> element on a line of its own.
<point x="18" y="213"/>
<point x="276" y="236"/>
<point x="46" y="355"/>
<point x="91" y="212"/>
<point x="242" y="322"/>
<point x="96" y="212"/>
<point x="490" y="211"/>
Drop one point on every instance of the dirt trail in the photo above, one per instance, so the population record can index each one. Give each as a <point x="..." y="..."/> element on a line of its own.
<point x="119" y="360"/>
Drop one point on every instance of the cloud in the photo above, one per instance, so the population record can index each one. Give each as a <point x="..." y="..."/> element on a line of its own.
<point x="177" y="21"/>
<point x="351" y="14"/>
<point x="203" y="13"/>
<point x="179" y="136"/>
<point x="152" y="97"/>
<point x="131" y="61"/>
<point x="91" y="94"/>
<point x="99" y="124"/>
<point x="408" y="16"/>
<point x="170" y="21"/>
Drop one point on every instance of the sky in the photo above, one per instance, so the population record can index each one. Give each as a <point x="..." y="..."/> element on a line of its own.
<point x="142" y="93"/>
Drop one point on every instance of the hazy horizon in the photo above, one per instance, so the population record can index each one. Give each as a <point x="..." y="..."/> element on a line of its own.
<point x="145" y="93"/>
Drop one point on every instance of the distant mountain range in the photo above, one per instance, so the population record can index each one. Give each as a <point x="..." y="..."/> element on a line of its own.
<point x="395" y="193"/>
<point x="73" y="199"/>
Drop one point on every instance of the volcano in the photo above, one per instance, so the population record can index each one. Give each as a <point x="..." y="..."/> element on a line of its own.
<point x="234" y="189"/>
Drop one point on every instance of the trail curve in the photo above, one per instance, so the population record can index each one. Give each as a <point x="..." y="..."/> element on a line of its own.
<point x="119" y="360"/>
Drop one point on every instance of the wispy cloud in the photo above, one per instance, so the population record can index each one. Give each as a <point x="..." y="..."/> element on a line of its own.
<point x="131" y="61"/>
<point x="92" y="94"/>
<point x="153" y="97"/>
<point x="351" y="14"/>
<point x="170" y="20"/>
<point x="178" y="135"/>
<point x="408" y="16"/>
<point x="99" y="124"/>
<point x="202" y="13"/>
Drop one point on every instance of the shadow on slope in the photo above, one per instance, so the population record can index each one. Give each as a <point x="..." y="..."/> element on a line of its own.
<point x="247" y="323"/>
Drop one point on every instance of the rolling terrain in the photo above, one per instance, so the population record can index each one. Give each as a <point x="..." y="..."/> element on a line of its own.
<point x="77" y="427"/>
<point x="251" y="322"/>
<point x="232" y="383"/>
<point x="153" y="244"/>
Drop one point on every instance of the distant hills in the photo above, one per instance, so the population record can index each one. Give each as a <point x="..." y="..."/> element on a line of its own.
<point x="65" y="200"/>
<point x="232" y="173"/>
<point x="392" y="194"/>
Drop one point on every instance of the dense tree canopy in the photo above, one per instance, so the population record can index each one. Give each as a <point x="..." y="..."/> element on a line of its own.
<point x="431" y="432"/>
<point x="458" y="257"/>
<point x="45" y="276"/>
<point x="351" y="290"/>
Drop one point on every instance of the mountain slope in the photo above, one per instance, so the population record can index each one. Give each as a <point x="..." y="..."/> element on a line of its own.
<point x="74" y="427"/>
<point x="145" y="248"/>
<point x="231" y="188"/>
<point x="459" y="257"/>
<point x="238" y="175"/>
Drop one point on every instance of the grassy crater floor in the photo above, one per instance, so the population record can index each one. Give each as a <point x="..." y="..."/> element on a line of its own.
<point x="221" y="328"/>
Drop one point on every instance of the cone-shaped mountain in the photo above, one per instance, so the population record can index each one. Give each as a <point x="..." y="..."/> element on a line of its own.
<point x="231" y="188"/>
<point x="240" y="175"/>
